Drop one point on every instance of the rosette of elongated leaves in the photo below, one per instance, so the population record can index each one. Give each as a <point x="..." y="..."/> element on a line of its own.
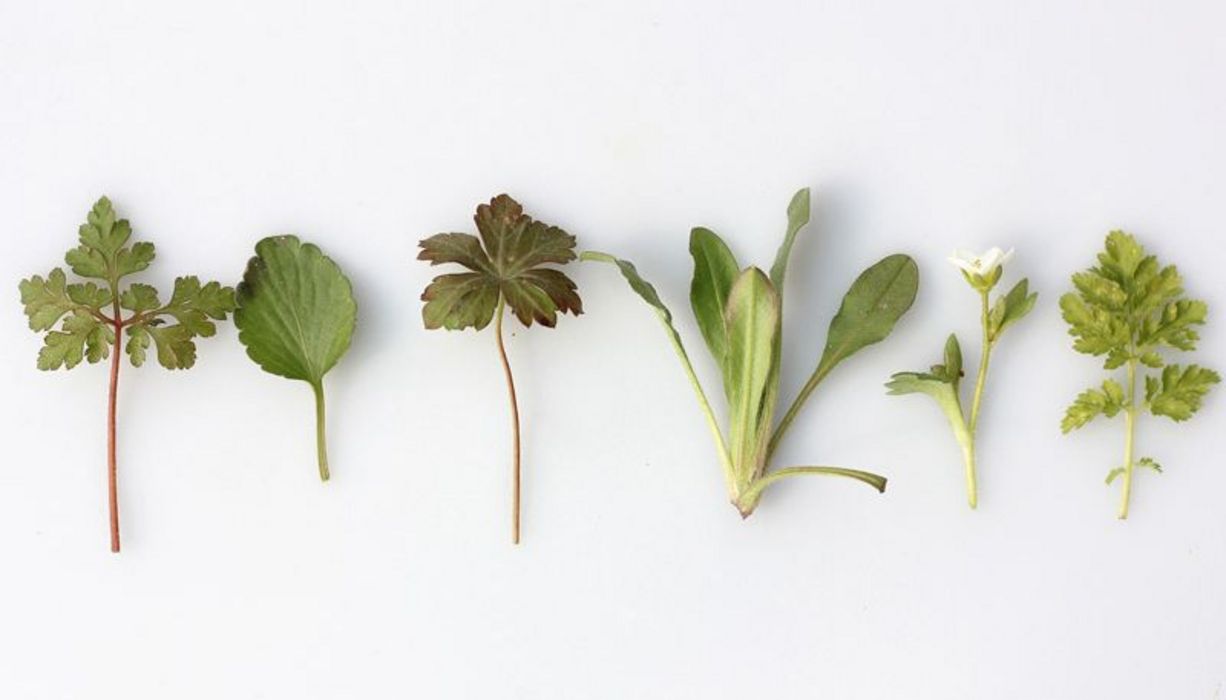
<point x="1129" y="310"/>
<point x="739" y="311"/>
<point x="506" y="267"/>
<point x="943" y="382"/>
<point x="94" y="316"/>
<point x="296" y="315"/>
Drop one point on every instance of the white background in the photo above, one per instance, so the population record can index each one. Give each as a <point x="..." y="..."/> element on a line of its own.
<point x="365" y="127"/>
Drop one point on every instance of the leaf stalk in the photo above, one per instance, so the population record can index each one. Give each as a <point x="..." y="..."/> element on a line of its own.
<point x="112" y="476"/>
<point x="1130" y="424"/>
<point x="515" y="448"/>
<point x="321" y="432"/>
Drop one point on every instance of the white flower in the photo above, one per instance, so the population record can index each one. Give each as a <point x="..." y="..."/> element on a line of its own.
<point x="982" y="265"/>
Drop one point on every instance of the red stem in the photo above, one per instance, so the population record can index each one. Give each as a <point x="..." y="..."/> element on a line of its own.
<point x="111" y="481"/>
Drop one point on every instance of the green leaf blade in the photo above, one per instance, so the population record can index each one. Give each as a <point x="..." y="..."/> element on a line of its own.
<point x="1182" y="392"/>
<point x="798" y="217"/>
<point x="296" y="311"/>
<point x="752" y="319"/>
<point x="506" y="263"/>
<point x="715" y="271"/>
<point x="45" y="301"/>
<point x="871" y="308"/>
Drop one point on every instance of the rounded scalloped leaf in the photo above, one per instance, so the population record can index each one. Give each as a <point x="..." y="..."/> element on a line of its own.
<point x="296" y="312"/>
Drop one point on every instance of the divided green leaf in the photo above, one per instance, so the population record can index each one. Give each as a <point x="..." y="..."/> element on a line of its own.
<point x="1129" y="309"/>
<point x="1180" y="392"/>
<point x="91" y="314"/>
<point x="1107" y="401"/>
<point x="505" y="262"/>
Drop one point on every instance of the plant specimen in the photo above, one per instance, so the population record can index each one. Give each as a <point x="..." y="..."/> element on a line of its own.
<point x="94" y="320"/>
<point x="1129" y="308"/>
<point x="296" y="315"/>
<point x="506" y="268"/>
<point x="943" y="382"/>
<point x="740" y="314"/>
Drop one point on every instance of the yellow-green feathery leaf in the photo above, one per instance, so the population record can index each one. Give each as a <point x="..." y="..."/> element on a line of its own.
<point x="1129" y="309"/>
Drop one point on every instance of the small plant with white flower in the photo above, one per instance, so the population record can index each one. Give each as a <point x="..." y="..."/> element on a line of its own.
<point x="943" y="382"/>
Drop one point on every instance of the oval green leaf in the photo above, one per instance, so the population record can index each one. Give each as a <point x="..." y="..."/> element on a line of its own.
<point x="871" y="307"/>
<point x="296" y="316"/>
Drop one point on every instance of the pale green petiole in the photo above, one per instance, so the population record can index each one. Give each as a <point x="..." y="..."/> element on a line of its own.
<point x="1130" y="426"/>
<point x="321" y="434"/>
<point x="648" y="294"/>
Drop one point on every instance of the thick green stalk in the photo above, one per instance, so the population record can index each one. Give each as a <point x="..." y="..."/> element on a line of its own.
<point x="967" y="441"/>
<point x="321" y="435"/>
<point x="1130" y="424"/>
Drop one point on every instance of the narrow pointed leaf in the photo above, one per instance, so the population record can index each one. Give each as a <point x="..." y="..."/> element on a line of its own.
<point x="871" y="307"/>
<point x="715" y="270"/>
<point x="798" y="216"/>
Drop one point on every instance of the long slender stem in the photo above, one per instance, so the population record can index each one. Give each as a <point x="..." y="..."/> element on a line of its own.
<point x="506" y="370"/>
<point x="983" y="361"/>
<point x="814" y="379"/>
<point x="967" y="438"/>
<point x="321" y="432"/>
<point x="1130" y="422"/>
<point x="112" y="477"/>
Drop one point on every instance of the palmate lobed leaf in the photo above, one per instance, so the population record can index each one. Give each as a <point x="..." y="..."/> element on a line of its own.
<point x="504" y="262"/>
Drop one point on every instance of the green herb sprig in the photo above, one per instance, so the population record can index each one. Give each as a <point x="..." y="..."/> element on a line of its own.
<point x="943" y="382"/>
<point x="94" y="320"/>
<point x="1129" y="309"/>
<point x="740" y="313"/>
